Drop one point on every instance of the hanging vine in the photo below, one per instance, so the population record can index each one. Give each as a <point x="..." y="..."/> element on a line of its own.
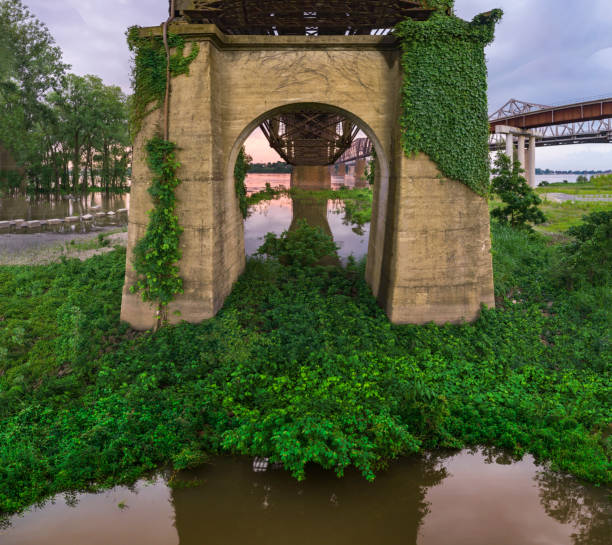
<point x="157" y="253"/>
<point x="150" y="68"/>
<point x="445" y="93"/>
<point x="243" y="162"/>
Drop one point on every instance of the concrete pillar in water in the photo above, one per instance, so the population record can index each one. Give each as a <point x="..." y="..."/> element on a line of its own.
<point x="531" y="175"/>
<point x="311" y="177"/>
<point x="510" y="147"/>
<point x="360" y="168"/>
<point x="521" y="151"/>
<point x="341" y="169"/>
<point x="314" y="212"/>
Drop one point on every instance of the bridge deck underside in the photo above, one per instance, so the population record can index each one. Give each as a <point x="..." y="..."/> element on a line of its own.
<point x="302" y="17"/>
<point x="309" y="138"/>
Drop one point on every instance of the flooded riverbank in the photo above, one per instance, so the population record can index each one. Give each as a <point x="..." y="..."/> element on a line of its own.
<point x="46" y="242"/>
<point x="464" y="498"/>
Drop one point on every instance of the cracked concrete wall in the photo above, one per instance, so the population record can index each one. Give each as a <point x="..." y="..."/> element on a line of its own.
<point x="235" y="83"/>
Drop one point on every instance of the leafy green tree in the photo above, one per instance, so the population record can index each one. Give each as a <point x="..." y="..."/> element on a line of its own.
<point x="91" y="120"/>
<point x="30" y="67"/>
<point x="521" y="202"/>
<point x="68" y="133"/>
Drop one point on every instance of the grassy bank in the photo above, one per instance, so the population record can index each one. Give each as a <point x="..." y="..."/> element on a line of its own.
<point x="560" y="216"/>
<point x="300" y="365"/>
<point x="595" y="186"/>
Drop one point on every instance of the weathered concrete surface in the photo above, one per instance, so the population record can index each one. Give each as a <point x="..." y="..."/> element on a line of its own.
<point x="238" y="81"/>
<point x="311" y="178"/>
<point x="437" y="262"/>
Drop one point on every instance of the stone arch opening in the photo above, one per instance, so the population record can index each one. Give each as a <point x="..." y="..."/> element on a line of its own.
<point x="429" y="246"/>
<point x="381" y="185"/>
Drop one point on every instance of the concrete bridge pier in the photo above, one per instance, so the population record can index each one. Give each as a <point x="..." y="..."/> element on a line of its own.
<point x="311" y="177"/>
<point x="530" y="167"/>
<point x="525" y="157"/>
<point x="360" y="168"/>
<point x="429" y="254"/>
<point x="510" y="147"/>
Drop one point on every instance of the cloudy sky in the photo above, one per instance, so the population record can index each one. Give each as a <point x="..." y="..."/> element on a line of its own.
<point x="546" y="51"/>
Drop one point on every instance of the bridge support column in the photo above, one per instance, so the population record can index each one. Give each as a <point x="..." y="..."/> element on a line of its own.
<point x="521" y="151"/>
<point x="311" y="178"/>
<point x="531" y="165"/>
<point x="436" y="264"/>
<point x="510" y="147"/>
<point x="360" y="168"/>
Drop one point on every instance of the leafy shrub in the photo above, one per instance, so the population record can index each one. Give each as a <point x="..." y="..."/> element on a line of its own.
<point x="302" y="246"/>
<point x="521" y="202"/>
<point x="589" y="257"/>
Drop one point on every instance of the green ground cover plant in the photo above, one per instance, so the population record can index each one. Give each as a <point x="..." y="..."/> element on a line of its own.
<point x="300" y="365"/>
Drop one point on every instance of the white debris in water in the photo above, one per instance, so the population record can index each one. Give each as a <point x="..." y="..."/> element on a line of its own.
<point x="260" y="465"/>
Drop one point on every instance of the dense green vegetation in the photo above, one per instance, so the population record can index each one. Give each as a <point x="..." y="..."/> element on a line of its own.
<point x="300" y="365"/>
<point x="66" y="133"/>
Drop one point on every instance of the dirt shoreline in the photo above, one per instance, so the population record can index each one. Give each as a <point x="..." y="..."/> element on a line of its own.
<point x="43" y="248"/>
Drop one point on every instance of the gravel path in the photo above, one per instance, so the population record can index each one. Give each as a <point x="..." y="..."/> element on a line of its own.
<point x="564" y="197"/>
<point x="42" y="248"/>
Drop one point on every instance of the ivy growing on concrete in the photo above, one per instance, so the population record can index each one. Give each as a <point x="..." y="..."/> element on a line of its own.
<point x="241" y="169"/>
<point x="157" y="254"/>
<point x="445" y="93"/>
<point x="445" y="6"/>
<point x="149" y="71"/>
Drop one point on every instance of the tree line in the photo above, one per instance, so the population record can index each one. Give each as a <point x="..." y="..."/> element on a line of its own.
<point x="64" y="133"/>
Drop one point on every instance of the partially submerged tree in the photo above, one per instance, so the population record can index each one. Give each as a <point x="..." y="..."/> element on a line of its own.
<point x="520" y="201"/>
<point x="55" y="124"/>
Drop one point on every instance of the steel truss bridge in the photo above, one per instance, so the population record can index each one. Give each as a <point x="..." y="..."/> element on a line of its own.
<point x="361" y="148"/>
<point x="588" y="122"/>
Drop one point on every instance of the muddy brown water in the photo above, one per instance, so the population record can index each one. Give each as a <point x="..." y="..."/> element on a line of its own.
<point x="465" y="498"/>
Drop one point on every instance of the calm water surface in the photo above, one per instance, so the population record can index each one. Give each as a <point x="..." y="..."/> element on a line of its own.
<point x="50" y="207"/>
<point x="278" y="215"/>
<point x="467" y="498"/>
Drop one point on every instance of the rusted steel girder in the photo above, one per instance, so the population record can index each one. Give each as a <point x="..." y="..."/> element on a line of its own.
<point x="302" y="17"/>
<point x="557" y="115"/>
<point x="309" y="138"/>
